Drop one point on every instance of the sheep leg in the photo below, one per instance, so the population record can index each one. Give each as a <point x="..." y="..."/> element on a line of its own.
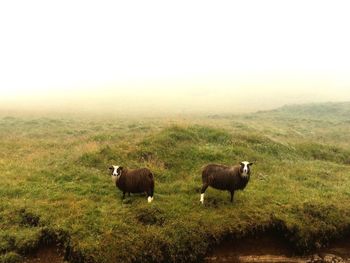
<point x="232" y="193"/>
<point x="204" y="187"/>
<point x="123" y="195"/>
<point x="129" y="194"/>
<point x="150" y="196"/>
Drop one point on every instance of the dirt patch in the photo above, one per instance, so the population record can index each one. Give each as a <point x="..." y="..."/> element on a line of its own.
<point x="265" y="248"/>
<point x="150" y="216"/>
<point x="50" y="254"/>
<point x="262" y="248"/>
<point x="29" y="219"/>
<point x="271" y="248"/>
<point x="340" y="248"/>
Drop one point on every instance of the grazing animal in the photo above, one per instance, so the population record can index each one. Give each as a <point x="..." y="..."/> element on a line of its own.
<point x="224" y="177"/>
<point x="133" y="181"/>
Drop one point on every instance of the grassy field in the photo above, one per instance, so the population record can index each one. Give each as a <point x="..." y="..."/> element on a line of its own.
<point x="55" y="187"/>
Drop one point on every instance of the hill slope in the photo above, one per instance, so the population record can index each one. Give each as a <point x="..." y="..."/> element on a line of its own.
<point x="315" y="111"/>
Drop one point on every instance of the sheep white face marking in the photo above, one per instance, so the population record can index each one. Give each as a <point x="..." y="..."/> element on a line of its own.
<point x="115" y="169"/>
<point x="245" y="168"/>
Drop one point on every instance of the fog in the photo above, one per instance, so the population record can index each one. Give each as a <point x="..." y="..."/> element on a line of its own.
<point x="156" y="57"/>
<point x="195" y="96"/>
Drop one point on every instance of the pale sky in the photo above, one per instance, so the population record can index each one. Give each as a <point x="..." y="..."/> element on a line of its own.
<point x="178" y="53"/>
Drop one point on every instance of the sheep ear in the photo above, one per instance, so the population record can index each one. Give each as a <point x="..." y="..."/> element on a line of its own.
<point x="121" y="167"/>
<point x="250" y="164"/>
<point x="111" y="168"/>
<point x="241" y="163"/>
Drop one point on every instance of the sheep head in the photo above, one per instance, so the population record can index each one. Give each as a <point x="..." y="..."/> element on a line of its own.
<point x="116" y="170"/>
<point x="245" y="168"/>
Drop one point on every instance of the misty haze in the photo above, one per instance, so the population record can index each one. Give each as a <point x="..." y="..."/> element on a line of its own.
<point x="170" y="98"/>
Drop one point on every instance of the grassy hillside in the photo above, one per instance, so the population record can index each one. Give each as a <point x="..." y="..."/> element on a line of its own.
<point x="54" y="184"/>
<point x="337" y="111"/>
<point x="325" y="123"/>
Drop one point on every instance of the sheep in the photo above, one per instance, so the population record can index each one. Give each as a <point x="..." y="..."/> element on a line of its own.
<point x="224" y="177"/>
<point x="133" y="181"/>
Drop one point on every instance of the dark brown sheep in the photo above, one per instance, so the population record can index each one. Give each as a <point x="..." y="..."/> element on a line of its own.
<point x="222" y="177"/>
<point x="133" y="181"/>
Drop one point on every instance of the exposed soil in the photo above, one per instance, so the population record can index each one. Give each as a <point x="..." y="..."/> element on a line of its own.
<point x="340" y="248"/>
<point x="50" y="254"/>
<point x="270" y="248"/>
<point x="265" y="248"/>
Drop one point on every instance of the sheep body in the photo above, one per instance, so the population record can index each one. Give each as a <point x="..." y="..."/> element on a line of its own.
<point x="134" y="181"/>
<point x="222" y="177"/>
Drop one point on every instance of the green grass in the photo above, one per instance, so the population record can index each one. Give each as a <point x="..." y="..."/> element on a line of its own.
<point x="54" y="184"/>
